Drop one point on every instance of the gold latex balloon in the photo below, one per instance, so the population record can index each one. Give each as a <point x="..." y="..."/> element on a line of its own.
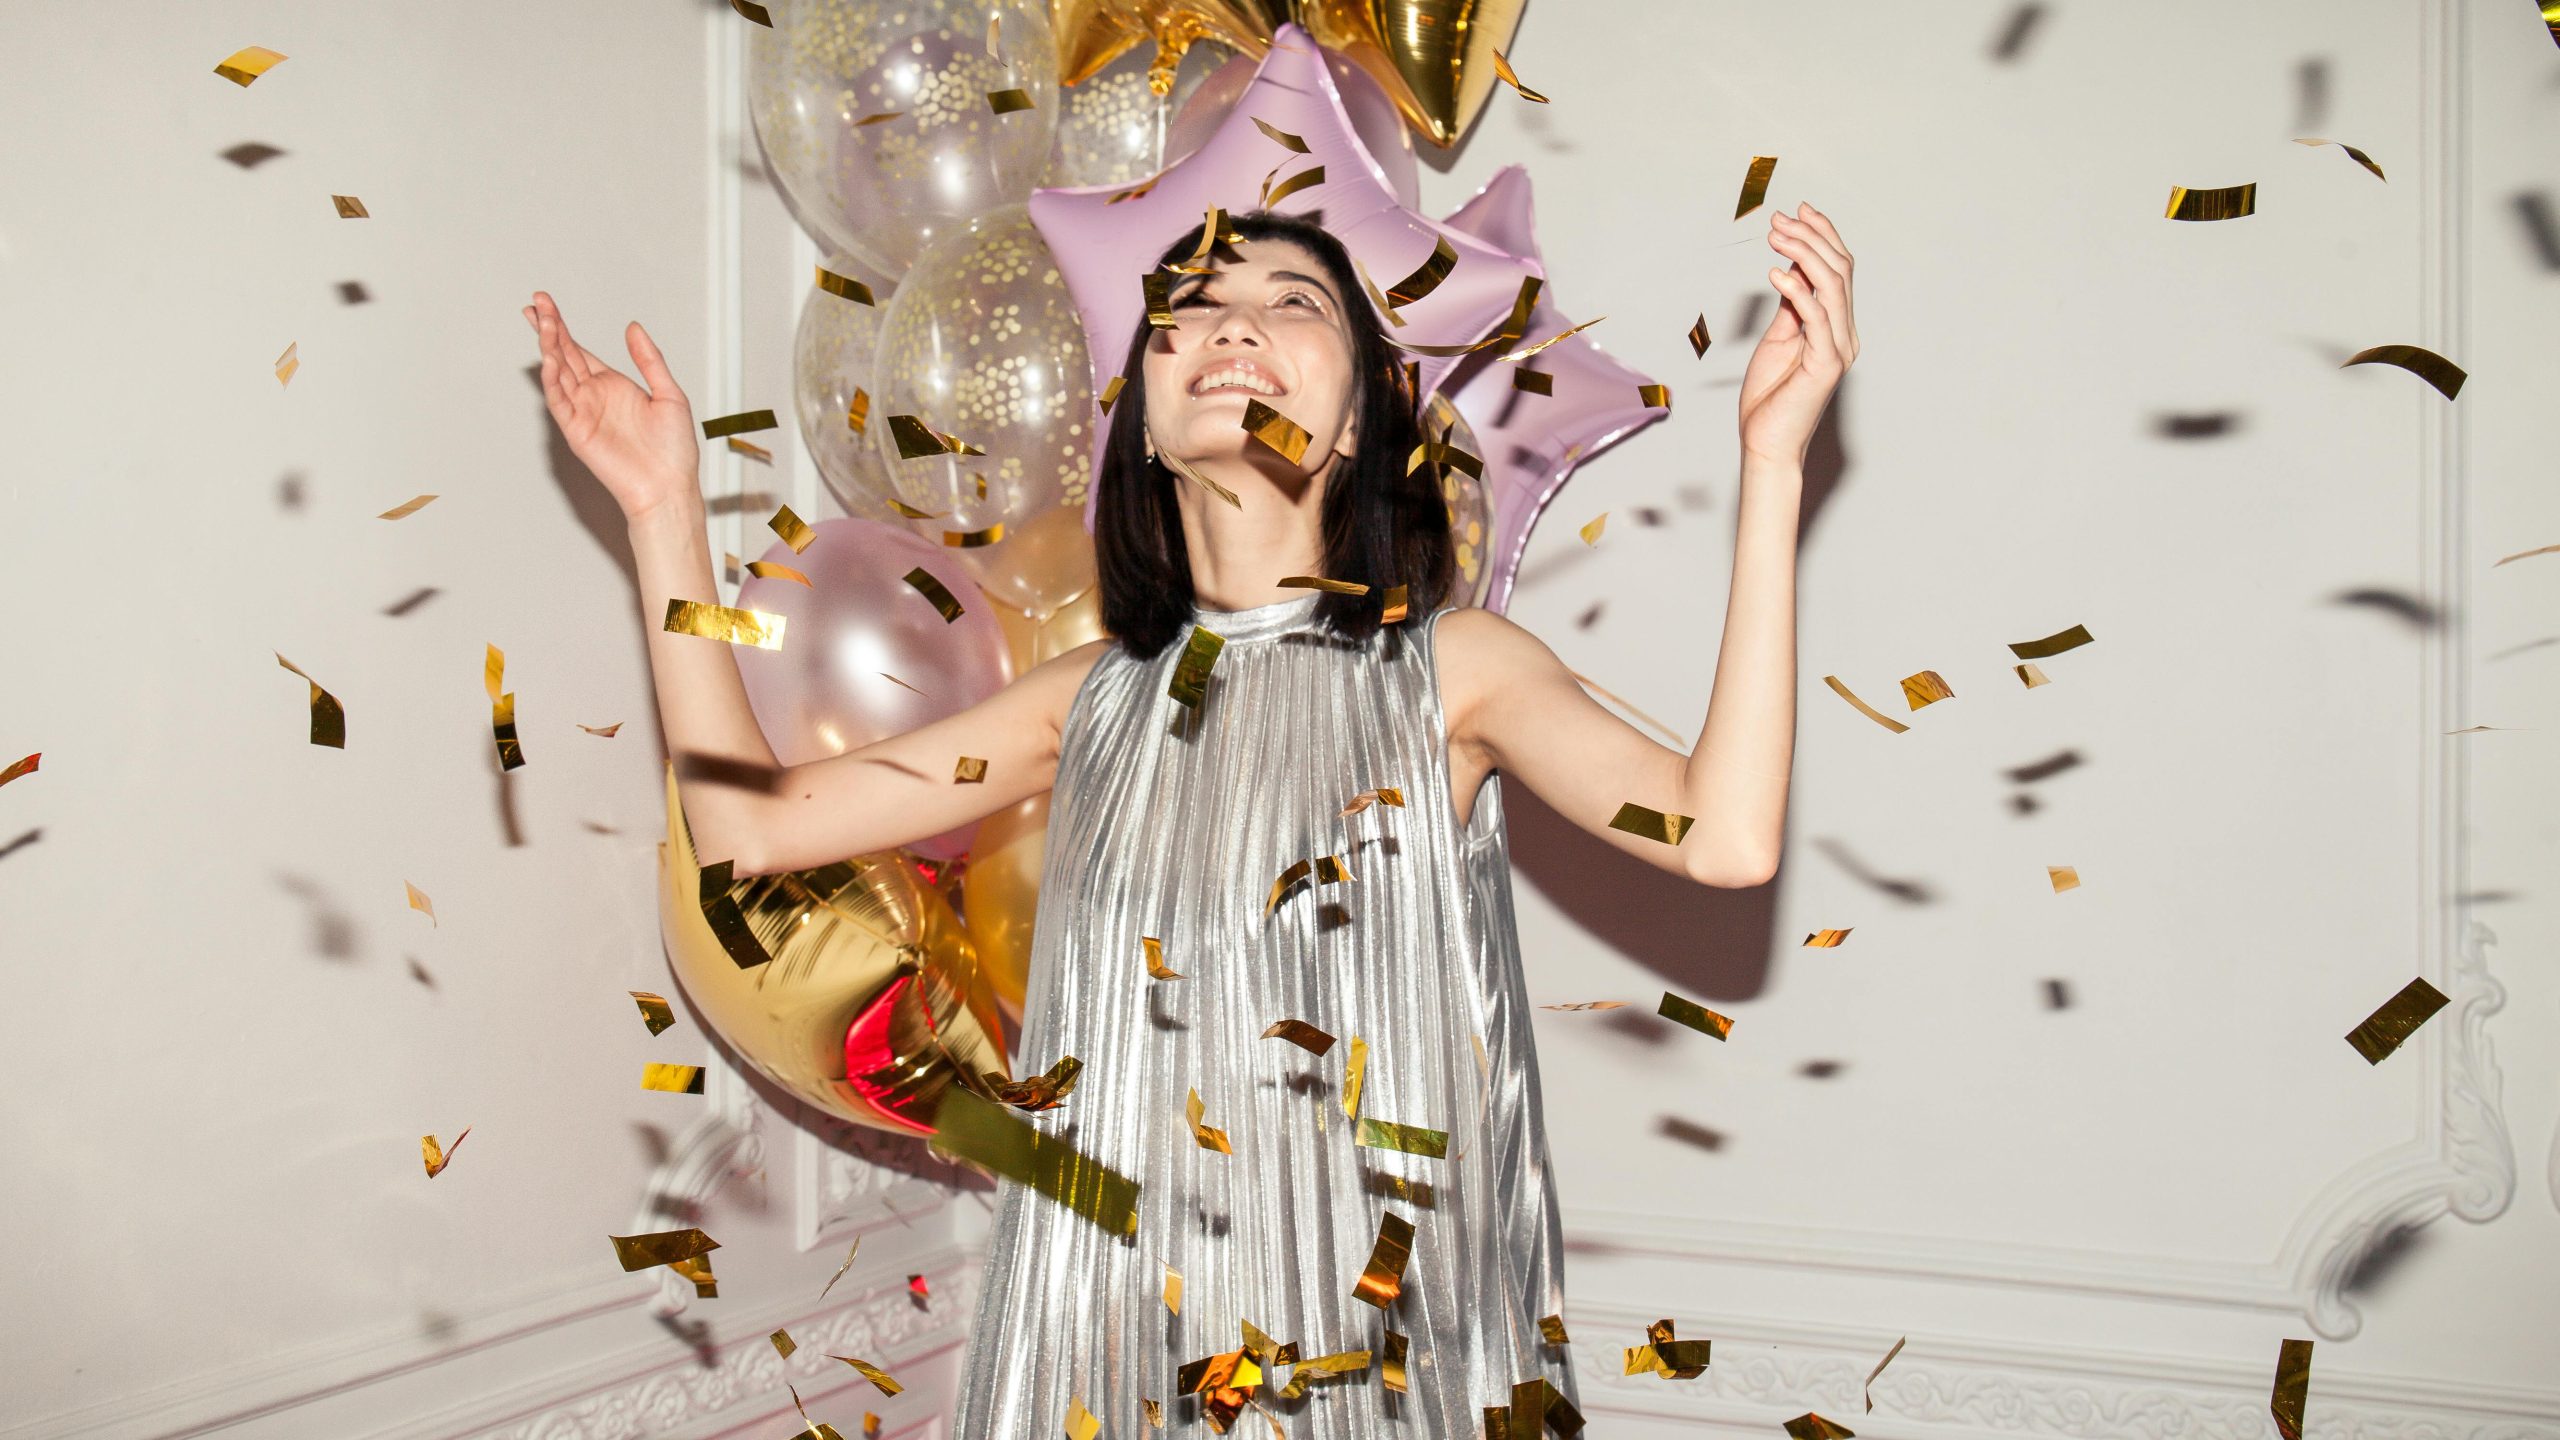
<point x="1032" y="640"/>
<point x="1001" y="895"/>
<point x="873" y="1004"/>
<point x="1434" y="58"/>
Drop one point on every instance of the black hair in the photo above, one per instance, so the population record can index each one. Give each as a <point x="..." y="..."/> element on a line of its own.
<point x="1381" y="526"/>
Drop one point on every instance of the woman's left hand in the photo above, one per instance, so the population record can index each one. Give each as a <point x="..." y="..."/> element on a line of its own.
<point x="1809" y="344"/>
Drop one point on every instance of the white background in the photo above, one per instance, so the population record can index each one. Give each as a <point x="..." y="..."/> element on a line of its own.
<point x="2096" y="1220"/>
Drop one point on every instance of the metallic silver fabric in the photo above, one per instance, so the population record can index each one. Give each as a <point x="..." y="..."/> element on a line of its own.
<point x="1171" y="824"/>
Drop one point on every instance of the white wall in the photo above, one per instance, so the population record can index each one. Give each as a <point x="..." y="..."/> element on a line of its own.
<point x="2090" y="1222"/>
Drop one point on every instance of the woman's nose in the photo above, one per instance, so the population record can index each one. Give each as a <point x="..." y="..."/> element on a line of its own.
<point x="1236" y="326"/>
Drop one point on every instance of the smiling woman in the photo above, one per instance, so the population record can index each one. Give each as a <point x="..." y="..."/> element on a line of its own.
<point x="1279" y="321"/>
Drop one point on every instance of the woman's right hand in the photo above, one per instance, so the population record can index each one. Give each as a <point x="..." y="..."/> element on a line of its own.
<point x="639" y="443"/>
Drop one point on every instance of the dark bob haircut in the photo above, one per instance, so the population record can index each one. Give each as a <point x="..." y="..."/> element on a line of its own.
<point x="1381" y="526"/>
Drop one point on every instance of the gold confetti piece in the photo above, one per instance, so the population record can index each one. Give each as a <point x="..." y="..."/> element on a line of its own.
<point x="655" y="1012"/>
<point x="1383" y="1280"/>
<point x="1809" y="1426"/>
<point x="1510" y="77"/>
<point x="744" y="422"/>
<point x="350" y="208"/>
<point x="857" y="418"/>
<point x="775" y="570"/>
<point x="1869" y="1388"/>
<point x="502" y="728"/>
<point x="818" y="1429"/>
<point x="2383" y="1031"/>
<point x="1173" y="1289"/>
<point x="1926" y="688"/>
<point x="1588" y="1005"/>
<point x="1426" y="277"/>
<point x="918" y="441"/>
<point x="1209" y="1136"/>
<point x="1355" y="1068"/>
<point x="1301" y="1034"/>
<point x="2230" y="202"/>
<point x="1699" y="339"/>
<point x="287" y="363"/>
<point x="1536" y="382"/>
<point x="1191" y="674"/>
<point x="750" y="449"/>
<point x="1391" y="1366"/>
<point x="970" y="771"/>
<point x="672" y="1079"/>
<point x="783" y="1342"/>
<point x="1755" y="184"/>
<point x="720" y="622"/>
<point x="1827" y="939"/>
<point x="437" y="1156"/>
<point x="1397" y="605"/>
<point x="1323" y="1367"/>
<point x="1111" y="392"/>
<point x="728" y="922"/>
<point x="1552" y="1327"/>
<point x="2051" y="645"/>
<point x="607" y="731"/>
<point x="872" y="1373"/>
<point x="1656" y="397"/>
<point x="1383" y="795"/>
<point x="2293" y="1387"/>
<point x="1007" y="102"/>
<point x="1184" y="467"/>
<point x="246" y="64"/>
<point x="995" y="28"/>
<point x="1156" y="968"/>
<point x="2353" y="153"/>
<point x="2031" y="675"/>
<point x="698" y="1270"/>
<point x="1282" y="136"/>
<point x="661" y="1247"/>
<point x="418" y="900"/>
<point x="2064" y="877"/>
<point x="894" y="680"/>
<point x="846" y="287"/>
<point x="2426" y="364"/>
<point x="989" y="1135"/>
<point x="1591" y="529"/>
<point x="1694" y="1015"/>
<point x="972" y="539"/>
<point x="761" y="16"/>
<point x="1276" y="430"/>
<point x="328" y="717"/>
<point x="1318" y="582"/>
<point x="2528" y="554"/>
<point x="1439" y="452"/>
<point x="28" y="766"/>
<point x="1045" y="1091"/>
<point x="1082" y="1424"/>
<point x="795" y="532"/>
<point x="1327" y="870"/>
<point x="925" y="584"/>
<point x="1650" y="824"/>
<point x="1525" y="352"/>
<point x="912" y="513"/>
<point x="407" y="508"/>
<point x="1411" y="1139"/>
<point x="878" y="117"/>
<point x="1311" y="176"/>
<point x="1871" y="712"/>
<point x="1158" y="285"/>
<point x="2551" y="21"/>
<point x="848" y="1259"/>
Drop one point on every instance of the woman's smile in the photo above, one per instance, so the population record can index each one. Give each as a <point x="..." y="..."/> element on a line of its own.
<point x="1236" y="373"/>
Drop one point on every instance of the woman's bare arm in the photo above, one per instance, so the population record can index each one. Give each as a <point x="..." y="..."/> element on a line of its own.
<point x="741" y="806"/>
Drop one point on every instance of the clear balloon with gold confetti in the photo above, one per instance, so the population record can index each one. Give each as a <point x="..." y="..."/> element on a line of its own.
<point x="889" y="125"/>
<point x="831" y="384"/>
<point x="1114" y="129"/>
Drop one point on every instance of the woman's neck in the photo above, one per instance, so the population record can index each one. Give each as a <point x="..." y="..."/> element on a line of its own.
<point x="1240" y="553"/>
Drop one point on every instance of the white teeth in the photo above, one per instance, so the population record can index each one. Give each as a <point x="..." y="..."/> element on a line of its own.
<point x="1241" y="379"/>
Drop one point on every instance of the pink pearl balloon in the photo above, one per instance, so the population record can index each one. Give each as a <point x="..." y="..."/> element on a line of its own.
<point x="858" y="622"/>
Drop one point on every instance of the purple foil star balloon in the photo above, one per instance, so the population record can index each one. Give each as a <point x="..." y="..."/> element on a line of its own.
<point x="1533" y="442"/>
<point x="1105" y="238"/>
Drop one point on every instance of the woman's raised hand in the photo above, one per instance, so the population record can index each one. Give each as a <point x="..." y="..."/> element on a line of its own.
<point x="640" y="443"/>
<point x="1809" y="344"/>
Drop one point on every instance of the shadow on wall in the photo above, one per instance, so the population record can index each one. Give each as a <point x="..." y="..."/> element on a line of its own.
<point x="1707" y="943"/>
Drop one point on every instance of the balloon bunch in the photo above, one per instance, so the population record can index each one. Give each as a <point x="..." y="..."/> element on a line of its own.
<point x="989" y="180"/>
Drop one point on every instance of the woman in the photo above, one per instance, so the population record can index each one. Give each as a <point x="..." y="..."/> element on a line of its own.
<point x="1172" y="820"/>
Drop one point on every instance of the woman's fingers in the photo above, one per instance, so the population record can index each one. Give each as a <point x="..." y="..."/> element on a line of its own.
<point x="1811" y="314"/>
<point x="1827" y="280"/>
<point x="1817" y="227"/>
<point x="653" y="366"/>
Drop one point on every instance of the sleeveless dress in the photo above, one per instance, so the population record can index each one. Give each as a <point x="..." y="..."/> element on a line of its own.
<point x="1174" y="824"/>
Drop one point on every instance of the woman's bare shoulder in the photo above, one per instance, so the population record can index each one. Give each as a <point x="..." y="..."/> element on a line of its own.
<point x="1480" y="654"/>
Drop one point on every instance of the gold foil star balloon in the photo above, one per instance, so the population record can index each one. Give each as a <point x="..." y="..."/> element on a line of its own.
<point x="1435" y="58"/>
<point x="867" y="1001"/>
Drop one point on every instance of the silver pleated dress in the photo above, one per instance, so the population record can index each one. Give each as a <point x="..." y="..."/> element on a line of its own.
<point x="1172" y="824"/>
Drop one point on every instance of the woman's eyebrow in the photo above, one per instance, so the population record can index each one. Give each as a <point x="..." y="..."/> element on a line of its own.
<point x="1307" y="279"/>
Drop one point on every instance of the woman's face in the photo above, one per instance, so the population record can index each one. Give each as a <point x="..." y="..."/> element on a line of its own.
<point x="1264" y="326"/>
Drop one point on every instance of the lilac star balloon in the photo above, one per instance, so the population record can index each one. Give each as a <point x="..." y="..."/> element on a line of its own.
<point x="1105" y="238"/>
<point x="1533" y="442"/>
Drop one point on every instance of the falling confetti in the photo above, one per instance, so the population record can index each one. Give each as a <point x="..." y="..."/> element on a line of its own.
<point x="406" y="508"/>
<point x="438" y="1156"/>
<point x="419" y="902"/>
<point x="247" y="64"/>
